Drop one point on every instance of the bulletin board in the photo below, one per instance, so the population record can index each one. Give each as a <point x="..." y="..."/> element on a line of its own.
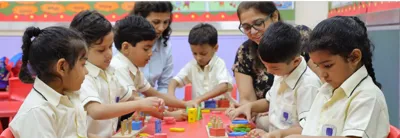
<point x="184" y="11"/>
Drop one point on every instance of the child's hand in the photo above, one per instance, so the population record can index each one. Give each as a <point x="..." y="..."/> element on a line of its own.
<point x="273" y="134"/>
<point x="192" y="104"/>
<point x="244" y="109"/>
<point x="151" y="103"/>
<point x="256" y="133"/>
<point x="179" y="115"/>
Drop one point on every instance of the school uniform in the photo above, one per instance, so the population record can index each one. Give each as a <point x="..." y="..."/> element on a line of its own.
<point x="357" y="108"/>
<point x="102" y="86"/>
<point x="291" y="97"/>
<point x="207" y="79"/>
<point x="128" y="74"/>
<point x="46" y="113"/>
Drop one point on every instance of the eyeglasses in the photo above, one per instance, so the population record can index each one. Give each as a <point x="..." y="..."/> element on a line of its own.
<point x="258" y="25"/>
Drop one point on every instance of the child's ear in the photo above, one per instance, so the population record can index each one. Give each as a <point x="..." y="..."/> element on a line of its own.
<point x="355" y="56"/>
<point x="62" y="67"/>
<point x="125" y="48"/>
<point x="275" y="16"/>
<point x="297" y="60"/>
<point x="216" y="47"/>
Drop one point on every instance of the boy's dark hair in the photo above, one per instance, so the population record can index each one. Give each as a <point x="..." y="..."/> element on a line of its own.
<point x="144" y="8"/>
<point x="264" y="7"/>
<point x="203" y="33"/>
<point x="48" y="46"/>
<point x="340" y="35"/>
<point x="133" y="29"/>
<point x="280" y="43"/>
<point x="92" y="25"/>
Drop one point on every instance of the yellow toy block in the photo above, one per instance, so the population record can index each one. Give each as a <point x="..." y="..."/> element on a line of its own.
<point x="192" y="114"/>
<point x="143" y="134"/>
<point x="205" y="110"/>
<point x="175" y="129"/>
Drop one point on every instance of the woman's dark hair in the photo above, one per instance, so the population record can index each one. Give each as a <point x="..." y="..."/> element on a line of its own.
<point x="340" y="35"/>
<point x="305" y="32"/>
<point x="144" y="8"/>
<point x="92" y="25"/>
<point x="47" y="47"/>
<point x="264" y="7"/>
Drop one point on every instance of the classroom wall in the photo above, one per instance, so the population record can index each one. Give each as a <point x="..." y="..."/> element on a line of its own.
<point x="310" y="13"/>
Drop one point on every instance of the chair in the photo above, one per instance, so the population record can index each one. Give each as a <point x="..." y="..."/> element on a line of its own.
<point x="394" y="132"/>
<point x="7" y="134"/>
<point x="188" y="92"/>
<point x="18" y="90"/>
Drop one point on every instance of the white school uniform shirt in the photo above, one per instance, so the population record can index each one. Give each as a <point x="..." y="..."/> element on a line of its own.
<point x="292" y="106"/>
<point x="125" y="70"/>
<point x="205" y="80"/>
<point x="361" y="111"/>
<point x="46" y="113"/>
<point x="96" y="89"/>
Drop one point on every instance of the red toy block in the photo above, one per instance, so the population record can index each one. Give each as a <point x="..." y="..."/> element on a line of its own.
<point x="217" y="132"/>
<point x="160" y="135"/>
<point x="216" y="112"/>
<point x="223" y="103"/>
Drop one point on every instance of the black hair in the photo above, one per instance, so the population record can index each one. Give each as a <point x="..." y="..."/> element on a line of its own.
<point x="280" y="43"/>
<point x="133" y="29"/>
<point x="203" y="33"/>
<point x="92" y="25"/>
<point x="340" y="35"/>
<point x="144" y="8"/>
<point x="47" y="47"/>
<point x="264" y="7"/>
<point x="305" y="32"/>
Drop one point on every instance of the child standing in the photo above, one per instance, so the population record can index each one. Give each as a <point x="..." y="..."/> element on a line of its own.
<point x="206" y="72"/>
<point x="57" y="55"/>
<point x="101" y="94"/>
<point x="295" y="84"/>
<point x="351" y="103"/>
<point x="134" y="39"/>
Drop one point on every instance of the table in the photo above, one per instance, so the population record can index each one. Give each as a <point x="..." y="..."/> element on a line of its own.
<point x="9" y="108"/>
<point x="192" y="130"/>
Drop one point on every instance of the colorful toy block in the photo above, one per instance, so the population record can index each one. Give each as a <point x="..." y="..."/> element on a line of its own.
<point x="192" y="115"/>
<point x="215" y="127"/>
<point x="223" y="103"/>
<point x="136" y="125"/>
<point x="176" y="129"/>
<point x="158" y="126"/>
<point x="199" y="115"/>
<point x="210" y="104"/>
<point x="205" y="111"/>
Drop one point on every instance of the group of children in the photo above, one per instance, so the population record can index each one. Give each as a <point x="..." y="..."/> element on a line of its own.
<point x="81" y="89"/>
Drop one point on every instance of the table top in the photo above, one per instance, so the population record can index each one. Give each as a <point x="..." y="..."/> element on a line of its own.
<point x="9" y="108"/>
<point x="192" y="130"/>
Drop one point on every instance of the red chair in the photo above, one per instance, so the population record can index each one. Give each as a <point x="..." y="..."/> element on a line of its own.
<point x="18" y="90"/>
<point x="188" y="92"/>
<point x="394" y="132"/>
<point x="7" y="134"/>
<point x="1" y="127"/>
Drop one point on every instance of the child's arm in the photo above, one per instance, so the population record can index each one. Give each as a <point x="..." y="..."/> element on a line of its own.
<point x="180" y="80"/>
<point x="100" y="111"/>
<point x="258" y="106"/>
<point x="169" y="100"/>
<point x="172" y="86"/>
<point x="219" y="90"/>
<point x="90" y="135"/>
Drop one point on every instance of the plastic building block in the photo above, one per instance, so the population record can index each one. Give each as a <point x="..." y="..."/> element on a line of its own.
<point x="223" y="103"/>
<point x="217" y="132"/>
<point x="199" y="114"/>
<point x="192" y="113"/>
<point x="240" y="122"/>
<point x="176" y="129"/>
<point x="237" y="134"/>
<point x="160" y="135"/>
<point x="210" y="104"/>
<point x="136" y="125"/>
<point x="241" y="129"/>
<point x="143" y="134"/>
<point x="205" y="110"/>
<point x="158" y="126"/>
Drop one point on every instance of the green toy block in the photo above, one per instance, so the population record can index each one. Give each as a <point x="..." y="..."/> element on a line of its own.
<point x="241" y="129"/>
<point x="199" y="114"/>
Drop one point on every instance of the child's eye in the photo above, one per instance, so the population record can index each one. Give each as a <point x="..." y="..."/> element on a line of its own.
<point x="146" y="49"/>
<point x="328" y="66"/>
<point x="101" y="51"/>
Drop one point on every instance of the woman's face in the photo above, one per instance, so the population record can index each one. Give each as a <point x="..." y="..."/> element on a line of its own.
<point x="255" y="23"/>
<point x="160" y="21"/>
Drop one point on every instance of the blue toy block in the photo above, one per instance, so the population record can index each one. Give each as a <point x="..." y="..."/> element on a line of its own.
<point x="234" y="134"/>
<point x="210" y="104"/>
<point x="240" y="122"/>
<point x="158" y="126"/>
<point x="136" y="125"/>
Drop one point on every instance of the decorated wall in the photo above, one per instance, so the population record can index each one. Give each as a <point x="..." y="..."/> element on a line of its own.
<point x="360" y="7"/>
<point x="184" y="11"/>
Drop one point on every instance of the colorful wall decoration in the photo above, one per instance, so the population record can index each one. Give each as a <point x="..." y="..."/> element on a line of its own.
<point x="184" y="11"/>
<point x="357" y="8"/>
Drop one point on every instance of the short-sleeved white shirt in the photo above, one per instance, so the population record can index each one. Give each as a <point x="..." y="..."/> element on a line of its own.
<point x="362" y="112"/>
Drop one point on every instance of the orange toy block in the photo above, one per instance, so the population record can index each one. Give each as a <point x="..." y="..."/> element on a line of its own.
<point x="223" y="103"/>
<point x="217" y="132"/>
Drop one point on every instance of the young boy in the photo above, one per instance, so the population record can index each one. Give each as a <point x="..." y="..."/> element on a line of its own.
<point x="134" y="38"/>
<point x="294" y="88"/>
<point x="207" y="72"/>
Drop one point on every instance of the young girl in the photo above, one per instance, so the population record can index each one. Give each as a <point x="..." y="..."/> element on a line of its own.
<point x="57" y="56"/>
<point x="101" y="94"/>
<point x="351" y="103"/>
